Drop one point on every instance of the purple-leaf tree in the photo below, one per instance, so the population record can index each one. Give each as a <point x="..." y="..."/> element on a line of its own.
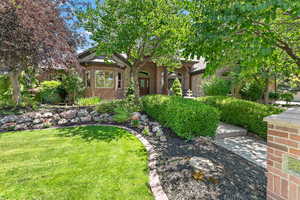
<point x="34" y="33"/>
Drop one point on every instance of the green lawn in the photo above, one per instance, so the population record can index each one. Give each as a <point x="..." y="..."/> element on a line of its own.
<point x="85" y="163"/>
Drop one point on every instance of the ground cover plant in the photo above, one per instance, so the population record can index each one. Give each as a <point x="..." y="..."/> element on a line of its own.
<point x="243" y="113"/>
<point x="186" y="117"/>
<point x="89" y="101"/>
<point x="92" y="162"/>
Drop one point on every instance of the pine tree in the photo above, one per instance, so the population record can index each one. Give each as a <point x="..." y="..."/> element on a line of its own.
<point x="176" y="88"/>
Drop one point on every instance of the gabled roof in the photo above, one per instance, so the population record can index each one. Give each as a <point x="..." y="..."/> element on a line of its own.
<point x="89" y="57"/>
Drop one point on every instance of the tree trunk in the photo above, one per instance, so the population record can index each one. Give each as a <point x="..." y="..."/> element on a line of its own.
<point x="236" y="91"/>
<point x="134" y="76"/>
<point x="14" y="80"/>
<point x="165" y="86"/>
<point x="266" y="92"/>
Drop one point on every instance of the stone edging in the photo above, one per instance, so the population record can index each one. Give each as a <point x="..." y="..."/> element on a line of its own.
<point x="154" y="181"/>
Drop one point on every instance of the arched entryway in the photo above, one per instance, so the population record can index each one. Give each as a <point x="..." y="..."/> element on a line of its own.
<point x="171" y="78"/>
<point x="144" y="83"/>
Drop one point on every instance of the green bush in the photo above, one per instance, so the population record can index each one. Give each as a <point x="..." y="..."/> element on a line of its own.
<point x="186" y="117"/>
<point x="50" y="92"/>
<point x="110" y="106"/>
<point x="90" y="101"/>
<point x="176" y="88"/>
<point x="217" y="86"/>
<point x="287" y="96"/>
<point x="121" y="115"/>
<point x="252" y="91"/>
<point x="242" y="113"/>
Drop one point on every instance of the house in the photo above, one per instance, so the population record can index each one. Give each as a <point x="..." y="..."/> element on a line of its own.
<point x="109" y="79"/>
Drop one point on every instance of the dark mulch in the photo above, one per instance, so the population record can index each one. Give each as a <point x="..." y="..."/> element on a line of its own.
<point x="241" y="180"/>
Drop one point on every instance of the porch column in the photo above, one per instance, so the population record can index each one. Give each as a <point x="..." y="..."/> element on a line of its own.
<point x="283" y="164"/>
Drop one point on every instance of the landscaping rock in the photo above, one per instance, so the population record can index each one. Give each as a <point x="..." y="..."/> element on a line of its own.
<point x="37" y="115"/>
<point x="144" y="118"/>
<point x="74" y="121"/>
<point x="23" y="119"/>
<point x="9" y="118"/>
<point x="62" y="122"/>
<point x="9" y="126"/>
<point x="47" y="115"/>
<point x="38" y="126"/>
<point x="21" y="127"/>
<point x="82" y="113"/>
<point x="206" y="167"/>
<point x="86" y="119"/>
<point x="163" y="138"/>
<point x="136" y="116"/>
<point x="70" y="114"/>
<point x="37" y="121"/>
<point x="156" y="129"/>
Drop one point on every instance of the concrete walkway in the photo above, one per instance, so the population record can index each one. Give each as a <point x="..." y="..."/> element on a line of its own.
<point x="239" y="143"/>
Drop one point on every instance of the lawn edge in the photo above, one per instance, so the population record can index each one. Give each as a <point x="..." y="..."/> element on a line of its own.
<point x="154" y="180"/>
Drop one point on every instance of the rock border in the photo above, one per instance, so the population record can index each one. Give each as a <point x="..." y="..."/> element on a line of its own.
<point x="154" y="180"/>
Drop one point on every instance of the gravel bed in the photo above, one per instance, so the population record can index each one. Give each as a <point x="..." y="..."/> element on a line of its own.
<point x="240" y="180"/>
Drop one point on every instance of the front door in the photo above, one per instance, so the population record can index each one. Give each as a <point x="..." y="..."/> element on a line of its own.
<point x="144" y="85"/>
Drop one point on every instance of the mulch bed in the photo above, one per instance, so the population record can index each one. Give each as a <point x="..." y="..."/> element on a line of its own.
<point x="241" y="180"/>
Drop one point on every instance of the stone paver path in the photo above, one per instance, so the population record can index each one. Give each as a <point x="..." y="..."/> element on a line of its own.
<point x="247" y="147"/>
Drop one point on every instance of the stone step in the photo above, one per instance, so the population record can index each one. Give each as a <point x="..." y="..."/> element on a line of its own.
<point x="228" y="130"/>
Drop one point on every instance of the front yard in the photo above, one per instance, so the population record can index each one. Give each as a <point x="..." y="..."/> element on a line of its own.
<point x="90" y="162"/>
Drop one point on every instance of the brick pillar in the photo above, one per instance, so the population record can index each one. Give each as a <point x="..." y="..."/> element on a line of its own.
<point x="283" y="159"/>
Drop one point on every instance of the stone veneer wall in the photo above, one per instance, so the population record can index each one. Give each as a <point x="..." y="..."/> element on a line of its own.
<point x="283" y="145"/>
<point x="51" y="117"/>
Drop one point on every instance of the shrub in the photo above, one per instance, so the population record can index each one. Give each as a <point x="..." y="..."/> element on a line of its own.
<point x="107" y="106"/>
<point x="110" y="106"/>
<point x="90" y="101"/>
<point x="242" y="113"/>
<point x="73" y="84"/>
<point x="50" y="92"/>
<point x="186" y="117"/>
<point x="287" y="96"/>
<point x="252" y="91"/>
<point x="121" y="115"/>
<point x="176" y="88"/>
<point x="216" y="86"/>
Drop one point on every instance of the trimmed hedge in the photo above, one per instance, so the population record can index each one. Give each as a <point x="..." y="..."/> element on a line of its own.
<point x="186" y="117"/>
<point x="242" y="113"/>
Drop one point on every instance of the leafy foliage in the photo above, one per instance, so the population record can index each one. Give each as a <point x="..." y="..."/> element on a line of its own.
<point x="176" y="88"/>
<point x="242" y="113"/>
<point x="186" y="117"/>
<point x="143" y="31"/>
<point x="89" y="101"/>
<point x="73" y="84"/>
<point x="252" y="91"/>
<point x="50" y="92"/>
<point x="216" y="86"/>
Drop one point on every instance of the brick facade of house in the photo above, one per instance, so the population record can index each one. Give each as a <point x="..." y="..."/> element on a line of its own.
<point x="283" y="159"/>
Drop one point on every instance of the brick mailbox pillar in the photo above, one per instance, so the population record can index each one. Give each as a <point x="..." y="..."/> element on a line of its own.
<point x="283" y="160"/>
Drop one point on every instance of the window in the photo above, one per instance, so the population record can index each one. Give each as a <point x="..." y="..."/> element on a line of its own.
<point x="104" y="79"/>
<point x="88" y="79"/>
<point x="119" y="80"/>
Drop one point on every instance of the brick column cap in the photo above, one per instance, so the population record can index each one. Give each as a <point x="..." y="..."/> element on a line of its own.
<point x="289" y="118"/>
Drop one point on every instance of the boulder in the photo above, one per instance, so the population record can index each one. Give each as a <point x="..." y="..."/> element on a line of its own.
<point x="86" y="119"/>
<point x="21" y="127"/>
<point x="163" y="138"/>
<point x="82" y="113"/>
<point x="136" y="116"/>
<point x="47" y="115"/>
<point x="206" y="167"/>
<point x="8" y="119"/>
<point x="75" y="120"/>
<point x="23" y="119"/>
<point x="70" y="114"/>
<point x="37" y="121"/>
<point x="9" y="126"/>
<point x="62" y="122"/>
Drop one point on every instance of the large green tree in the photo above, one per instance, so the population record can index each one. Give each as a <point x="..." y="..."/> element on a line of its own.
<point x="135" y="32"/>
<point x="250" y="33"/>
